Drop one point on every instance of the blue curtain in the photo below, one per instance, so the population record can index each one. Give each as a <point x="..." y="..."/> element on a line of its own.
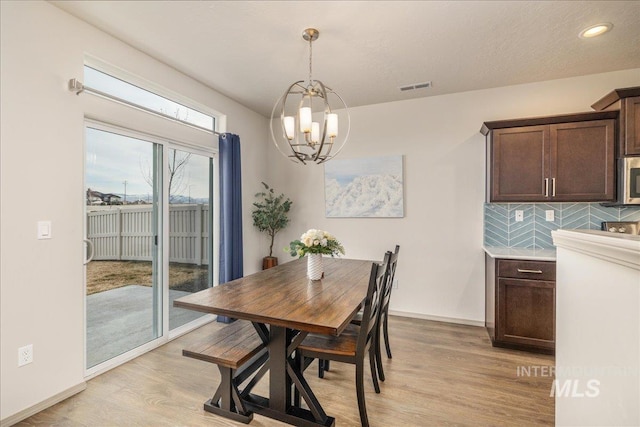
<point x="230" y="211"/>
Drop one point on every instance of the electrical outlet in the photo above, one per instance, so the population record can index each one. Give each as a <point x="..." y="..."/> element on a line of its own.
<point x="519" y="216"/>
<point x="549" y="215"/>
<point x="25" y="355"/>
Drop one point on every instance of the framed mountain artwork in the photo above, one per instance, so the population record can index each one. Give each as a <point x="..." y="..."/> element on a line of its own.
<point x="364" y="187"/>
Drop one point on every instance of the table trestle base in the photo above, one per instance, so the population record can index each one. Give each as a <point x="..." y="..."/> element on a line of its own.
<point x="227" y="401"/>
<point x="212" y="407"/>
<point x="294" y="415"/>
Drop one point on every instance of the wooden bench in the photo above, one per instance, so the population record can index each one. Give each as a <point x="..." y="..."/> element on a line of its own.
<point x="238" y="352"/>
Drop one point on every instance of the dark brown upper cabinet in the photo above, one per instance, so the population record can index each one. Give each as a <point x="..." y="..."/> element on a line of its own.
<point x="627" y="101"/>
<point x="568" y="158"/>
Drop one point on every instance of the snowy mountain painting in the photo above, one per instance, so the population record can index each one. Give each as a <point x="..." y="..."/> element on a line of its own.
<point x="365" y="187"/>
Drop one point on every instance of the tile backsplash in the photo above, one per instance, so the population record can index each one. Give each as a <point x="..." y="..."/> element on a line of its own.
<point x="502" y="230"/>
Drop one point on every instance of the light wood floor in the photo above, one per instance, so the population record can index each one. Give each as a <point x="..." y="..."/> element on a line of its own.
<point x="440" y="374"/>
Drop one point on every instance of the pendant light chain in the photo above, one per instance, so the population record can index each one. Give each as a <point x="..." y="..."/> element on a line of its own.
<point x="310" y="56"/>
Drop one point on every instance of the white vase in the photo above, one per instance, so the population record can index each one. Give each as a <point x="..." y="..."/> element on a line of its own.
<point x="314" y="266"/>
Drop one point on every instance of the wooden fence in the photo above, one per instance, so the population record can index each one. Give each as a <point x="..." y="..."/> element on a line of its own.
<point x="125" y="233"/>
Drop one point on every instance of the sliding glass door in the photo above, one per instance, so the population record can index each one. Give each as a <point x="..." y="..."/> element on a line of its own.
<point x="149" y="236"/>
<point x="190" y="230"/>
<point x="123" y="183"/>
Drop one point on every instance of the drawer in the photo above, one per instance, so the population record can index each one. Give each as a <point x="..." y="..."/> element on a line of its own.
<point x="520" y="269"/>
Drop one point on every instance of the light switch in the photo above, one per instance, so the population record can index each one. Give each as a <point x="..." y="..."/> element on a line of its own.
<point x="549" y="215"/>
<point x="44" y="230"/>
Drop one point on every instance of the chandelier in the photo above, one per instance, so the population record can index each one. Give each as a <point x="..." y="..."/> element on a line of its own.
<point x="304" y="124"/>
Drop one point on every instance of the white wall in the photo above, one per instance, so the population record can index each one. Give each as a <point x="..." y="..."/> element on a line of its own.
<point x="441" y="264"/>
<point x="41" y="289"/>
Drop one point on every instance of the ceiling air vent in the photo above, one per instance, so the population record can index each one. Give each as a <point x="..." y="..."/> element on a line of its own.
<point x="415" y="86"/>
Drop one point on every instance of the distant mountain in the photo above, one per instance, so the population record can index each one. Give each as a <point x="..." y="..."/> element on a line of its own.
<point x="183" y="200"/>
<point x="365" y="196"/>
<point x="148" y="198"/>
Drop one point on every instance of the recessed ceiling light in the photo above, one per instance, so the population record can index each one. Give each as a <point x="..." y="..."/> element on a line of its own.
<point x="595" y="30"/>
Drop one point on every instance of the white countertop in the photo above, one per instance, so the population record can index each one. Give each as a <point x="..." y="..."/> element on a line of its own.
<point x="623" y="249"/>
<point x="520" y="253"/>
<point x="606" y="234"/>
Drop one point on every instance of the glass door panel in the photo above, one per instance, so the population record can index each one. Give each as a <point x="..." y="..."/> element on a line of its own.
<point x="123" y="292"/>
<point x="190" y="231"/>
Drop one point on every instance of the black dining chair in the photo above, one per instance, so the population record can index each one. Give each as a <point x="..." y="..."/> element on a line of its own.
<point x="383" y="321"/>
<point x="352" y="345"/>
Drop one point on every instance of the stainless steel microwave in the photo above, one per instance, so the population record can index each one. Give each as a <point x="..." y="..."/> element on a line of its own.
<point x="629" y="181"/>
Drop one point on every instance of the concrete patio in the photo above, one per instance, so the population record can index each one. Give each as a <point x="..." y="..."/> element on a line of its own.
<point x="121" y="319"/>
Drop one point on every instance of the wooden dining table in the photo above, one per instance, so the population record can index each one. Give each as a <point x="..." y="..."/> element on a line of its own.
<point x="284" y="306"/>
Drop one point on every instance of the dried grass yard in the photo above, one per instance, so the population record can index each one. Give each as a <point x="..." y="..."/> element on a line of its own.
<point x="105" y="275"/>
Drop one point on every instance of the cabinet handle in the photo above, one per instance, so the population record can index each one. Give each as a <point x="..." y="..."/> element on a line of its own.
<point x="553" y="187"/>
<point x="522" y="270"/>
<point x="546" y="187"/>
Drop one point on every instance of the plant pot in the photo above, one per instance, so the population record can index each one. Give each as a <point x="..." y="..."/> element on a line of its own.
<point x="269" y="261"/>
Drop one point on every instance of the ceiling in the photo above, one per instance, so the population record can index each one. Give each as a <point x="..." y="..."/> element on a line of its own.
<point x="252" y="51"/>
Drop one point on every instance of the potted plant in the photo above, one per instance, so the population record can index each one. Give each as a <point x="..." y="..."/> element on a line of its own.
<point x="270" y="216"/>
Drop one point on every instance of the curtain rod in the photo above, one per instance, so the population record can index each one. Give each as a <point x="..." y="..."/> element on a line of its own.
<point x="76" y="86"/>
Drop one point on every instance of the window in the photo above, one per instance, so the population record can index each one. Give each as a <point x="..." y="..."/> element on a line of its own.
<point x="149" y="101"/>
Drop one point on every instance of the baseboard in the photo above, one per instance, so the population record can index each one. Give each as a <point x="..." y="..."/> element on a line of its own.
<point x="41" y="406"/>
<point x="438" y="318"/>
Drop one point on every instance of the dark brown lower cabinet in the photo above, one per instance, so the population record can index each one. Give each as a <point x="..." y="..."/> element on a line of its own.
<point x="521" y="299"/>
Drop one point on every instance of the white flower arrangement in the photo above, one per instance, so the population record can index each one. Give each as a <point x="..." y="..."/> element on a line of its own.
<point x="315" y="242"/>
